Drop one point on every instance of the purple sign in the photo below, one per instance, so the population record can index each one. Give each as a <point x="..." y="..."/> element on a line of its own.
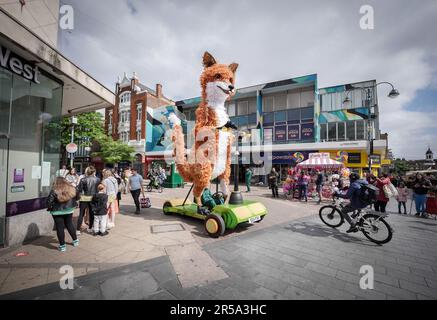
<point x="307" y="131"/>
<point x="18" y="175"/>
<point x="293" y="132"/>
<point x="281" y="133"/>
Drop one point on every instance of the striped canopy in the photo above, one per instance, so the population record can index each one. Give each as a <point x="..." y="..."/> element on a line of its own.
<point x="323" y="162"/>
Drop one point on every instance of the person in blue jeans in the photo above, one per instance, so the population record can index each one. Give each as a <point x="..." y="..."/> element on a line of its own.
<point x="302" y="182"/>
<point x="421" y="187"/>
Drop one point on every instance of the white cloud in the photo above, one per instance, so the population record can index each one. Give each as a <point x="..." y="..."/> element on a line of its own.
<point x="164" y="41"/>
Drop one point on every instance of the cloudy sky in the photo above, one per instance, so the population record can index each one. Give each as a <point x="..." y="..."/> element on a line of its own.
<point x="163" y="41"/>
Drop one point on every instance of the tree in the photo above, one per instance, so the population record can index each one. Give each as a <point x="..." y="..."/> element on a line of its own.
<point x="400" y="166"/>
<point x="89" y="126"/>
<point x="113" y="151"/>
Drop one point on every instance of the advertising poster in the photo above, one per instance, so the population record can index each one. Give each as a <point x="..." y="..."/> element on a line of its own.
<point x="307" y="131"/>
<point x="281" y="133"/>
<point x="18" y="175"/>
<point x="293" y="132"/>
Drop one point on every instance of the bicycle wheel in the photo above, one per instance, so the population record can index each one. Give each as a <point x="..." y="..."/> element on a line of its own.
<point x="331" y="216"/>
<point x="375" y="228"/>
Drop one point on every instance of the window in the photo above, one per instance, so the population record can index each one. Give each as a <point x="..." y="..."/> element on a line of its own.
<point x="280" y="102"/>
<point x="252" y="106"/>
<point x="242" y="108"/>
<point x="128" y="116"/>
<point x="341" y="131"/>
<point x="252" y="118"/>
<point x="323" y="133"/>
<point x="125" y="98"/>
<point x="268" y="118"/>
<point x="243" y="121"/>
<point x="307" y="98"/>
<point x="231" y="110"/>
<point x="268" y="104"/>
<point x="326" y="102"/>
<point x="307" y="113"/>
<point x="293" y="100"/>
<point x="360" y="130"/>
<point x="350" y="130"/>
<point x="139" y="112"/>
<point x="138" y="134"/>
<point x="280" y="116"/>
<point x="332" y="131"/>
<point x="293" y="116"/>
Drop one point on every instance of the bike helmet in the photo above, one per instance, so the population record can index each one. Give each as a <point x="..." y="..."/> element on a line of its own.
<point x="354" y="176"/>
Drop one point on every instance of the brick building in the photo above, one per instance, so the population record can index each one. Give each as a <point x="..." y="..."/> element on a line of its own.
<point x="126" y="121"/>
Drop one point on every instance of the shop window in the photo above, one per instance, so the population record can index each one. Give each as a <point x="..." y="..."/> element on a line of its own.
<point x="361" y="130"/>
<point x="293" y="100"/>
<point x="268" y="118"/>
<point x="268" y="104"/>
<point x="332" y="131"/>
<point x="293" y="116"/>
<point x="280" y="117"/>
<point x="231" y="110"/>
<point x="252" y="106"/>
<point x="252" y="118"/>
<point x="307" y="98"/>
<point x="323" y="132"/>
<point x="280" y="102"/>
<point x="307" y="113"/>
<point x="350" y="130"/>
<point x="242" y="108"/>
<point x="341" y="131"/>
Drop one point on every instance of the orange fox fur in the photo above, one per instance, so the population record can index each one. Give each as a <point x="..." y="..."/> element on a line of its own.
<point x="200" y="172"/>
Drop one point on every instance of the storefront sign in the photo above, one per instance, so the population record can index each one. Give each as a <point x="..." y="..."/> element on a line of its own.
<point x="293" y="132"/>
<point x="18" y="65"/>
<point x="281" y="133"/>
<point x="307" y="131"/>
<point x="354" y="157"/>
<point x="288" y="157"/>
<point x="375" y="158"/>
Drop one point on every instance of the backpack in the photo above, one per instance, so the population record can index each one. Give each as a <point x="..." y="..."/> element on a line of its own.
<point x="368" y="193"/>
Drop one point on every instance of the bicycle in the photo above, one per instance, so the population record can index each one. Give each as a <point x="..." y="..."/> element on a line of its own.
<point x="370" y="223"/>
<point x="154" y="184"/>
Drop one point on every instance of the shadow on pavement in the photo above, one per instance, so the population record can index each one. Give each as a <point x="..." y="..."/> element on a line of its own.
<point x="316" y="230"/>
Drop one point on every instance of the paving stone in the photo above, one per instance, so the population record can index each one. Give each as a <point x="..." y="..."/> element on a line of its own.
<point x="333" y="294"/>
<point x="295" y="293"/>
<point x="431" y="292"/>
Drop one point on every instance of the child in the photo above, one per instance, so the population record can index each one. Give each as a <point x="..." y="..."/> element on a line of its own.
<point x="99" y="205"/>
<point x="61" y="203"/>
<point x="288" y="187"/>
<point x="402" y="197"/>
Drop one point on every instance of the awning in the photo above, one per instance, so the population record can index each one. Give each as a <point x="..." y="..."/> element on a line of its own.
<point x="81" y="93"/>
<point x="320" y="161"/>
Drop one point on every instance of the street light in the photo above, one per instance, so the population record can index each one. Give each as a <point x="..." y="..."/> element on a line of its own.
<point x="392" y="94"/>
<point x="236" y="196"/>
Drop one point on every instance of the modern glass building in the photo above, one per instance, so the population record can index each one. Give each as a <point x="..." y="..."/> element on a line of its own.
<point x="38" y="86"/>
<point x="297" y="118"/>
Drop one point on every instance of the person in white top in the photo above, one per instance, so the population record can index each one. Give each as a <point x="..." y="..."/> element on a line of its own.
<point x="111" y="186"/>
<point x="72" y="177"/>
<point x="62" y="172"/>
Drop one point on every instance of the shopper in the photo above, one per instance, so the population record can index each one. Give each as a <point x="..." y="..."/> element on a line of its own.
<point x="62" y="172"/>
<point x="111" y="187"/>
<point x="420" y="187"/>
<point x="248" y="178"/>
<point x="402" y="197"/>
<point x="273" y="182"/>
<point x="382" y="200"/>
<point x="121" y="185"/>
<point x="136" y="188"/>
<point x="72" y="177"/>
<point x="319" y="185"/>
<point x="61" y="202"/>
<point x="99" y="206"/>
<point x="87" y="189"/>
<point x="302" y="183"/>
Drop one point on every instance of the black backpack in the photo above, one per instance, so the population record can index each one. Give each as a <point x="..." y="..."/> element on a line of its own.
<point x="368" y="193"/>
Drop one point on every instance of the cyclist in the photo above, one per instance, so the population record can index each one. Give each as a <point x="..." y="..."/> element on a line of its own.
<point x="356" y="201"/>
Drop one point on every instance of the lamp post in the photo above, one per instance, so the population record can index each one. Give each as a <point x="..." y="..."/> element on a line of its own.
<point x="236" y="196"/>
<point x="392" y="94"/>
<point x="73" y="122"/>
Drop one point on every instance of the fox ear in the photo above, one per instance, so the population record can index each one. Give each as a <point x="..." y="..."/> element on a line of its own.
<point x="233" y="67"/>
<point x="208" y="60"/>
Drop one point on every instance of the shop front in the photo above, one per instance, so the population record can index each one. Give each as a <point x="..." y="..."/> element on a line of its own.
<point x="357" y="160"/>
<point x="38" y="86"/>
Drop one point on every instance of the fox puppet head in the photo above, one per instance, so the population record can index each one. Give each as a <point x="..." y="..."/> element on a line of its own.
<point x="217" y="81"/>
